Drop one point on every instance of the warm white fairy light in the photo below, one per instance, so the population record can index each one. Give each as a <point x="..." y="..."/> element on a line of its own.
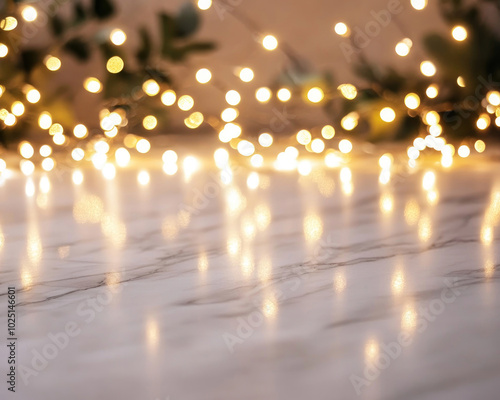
<point x="328" y="132"/>
<point x="52" y="63"/>
<point x="233" y="98"/>
<point x="143" y="178"/>
<point x="48" y="164"/>
<point x="168" y="97"/>
<point x="493" y="98"/>
<point x="317" y="145"/>
<point x="284" y="94"/>
<point x="265" y="139"/>
<point x="431" y="118"/>
<point x="29" y="13"/>
<point x="151" y="87"/>
<point x="348" y="90"/>
<point x="479" y="146"/>
<point x="350" y="121"/>
<point x="109" y="171"/>
<point x="403" y="48"/>
<point x="246" y="148"/>
<point x="92" y="85"/>
<point x="303" y="137"/>
<point x="4" y="50"/>
<point x="246" y="75"/>
<point x="257" y="160"/>
<point x="221" y="158"/>
<point x="117" y="37"/>
<point x="463" y="151"/>
<point x="385" y="161"/>
<point x="432" y="91"/>
<point x="270" y="42"/>
<point x="483" y="122"/>
<point x="203" y="75"/>
<point x="33" y="96"/>
<point x="170" y="169"/>
<point x="419" y="4"/>
<point x="428" y="68"/>
<point x="45" y="150"/>
<point x="149" y="122"/>
<point x="435" y="130"/>
<point x="412" y="101"/>
<point x="461" y="81"/>
<point x="26" y="150"/>
<point x="77" y="177"/>
<point x="17" y="108"/>
<point x="315" y="95"/>
<point x="80" y="131"/>
<point x="229" y="114"/>
<point x="413" y="153"/>
<point x="204" y="4"/>
<point x="345" y="146"/>
<point x="304" y="167"/>
<point x="233" y="129"/>
<point x="115" y="65"/>
<point x="194" y="120"/>
<point x="387" y="114"/>
<point x="169" y="157"/>
<point x="27" y="167"/>
<point x="77" y="154"/>
<point x="143" y="146"/>
<point x="341" y="29"/>
<point x="122" y="157"/>
<point x="8" y="23"/>
<point x="459" y="33"/>
<point x="10" y="120"/>
<point x="263" y="94"/>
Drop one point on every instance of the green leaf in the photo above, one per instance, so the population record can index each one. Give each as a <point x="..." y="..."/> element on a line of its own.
<point x="167" y="31"/>
<point x="103" y="8"/>
<point x="144" y="51"/>
<point x="78" y="48"/>
<point x="180" y="53"/>
<point x="187" y="20"/>
<point x="57" y="26"/>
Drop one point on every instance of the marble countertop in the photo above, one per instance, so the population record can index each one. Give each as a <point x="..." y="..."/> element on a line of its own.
<point x="214" y="284"/>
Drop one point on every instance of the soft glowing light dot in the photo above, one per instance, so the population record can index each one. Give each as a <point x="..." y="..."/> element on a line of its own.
<point x="194" y="120"/>
<point x="263" y="94"/>
<point x="270" y="42"/>
<point x="143" y="146"/>
<point x="348" y="91"/>
<point x="26" y="150"/>
<point x="459" y="33"/>
<point x="77" y="154"/>
<point x="412" y="101"/>
<point x="3" y="165"/>
<point x="419" y="4"/>
<point x="345" y="146"/>
<point x="341" y="29"/>
<point x="350" y="121"/>
<point x="52" y="63"/>
<point x="265" y="140"/>
<point x="385" y="161"/>
<point x="483" y="122"/>
<point x="109" y="171"/>
<point x="304" y="137"/>
<point x="463" y="151"/>
<point x="328" y="132"/>
<point x="431" y="118"/>
<point x="428" y="180"/>
<point x="246" y="75"/>
<point x="8" y="23"/>
<point x="77" y="177"/>
<point x="480" y="146"/>
<point x="143" y="178"/>
<point x="427" y="68"/>
<point x="17" y="108"/>
<point x="233" y="97"/>
<point x="317" y="146"/>
<point x="387" y="114"/>
<point x="332" y="160"/>
<point x="168" y="97"/>
<point x="80" y="131"/>
<point x="204" y="4"/>
<point x="435" y="130"/>
<point x="115" y="65"/>
<point x="315" y="95"/>
<point x="4" y="50"/>
<point x="27" y="167"/>
<point x="149" y="122"/>
<point x="10" y="120"/>
<point x="117" y="37"/>
<point x="221" y="158"/>
<point x="497" y="121"/>
<point x="169" y="157"/>
<point x="253" y="180"/>
<point x="304" y="167"/>
<point x="246" y="148"/>
<point x="257" y="160"/>
<point x="92" y="85"/>
<point x="101" y="146"/>
<point x="292" y="152"/>
<point x="185" y="102"/>
<point x="151" y="87"/>
<point x="413" y="153"/>
<point x="229" y="114"/>
<point x="48" y="164"/>
<point x="234" y="130"/>
<point x="29" y="13"/>
<point x="402" y="49"/>
<point x="56" y="129"/>
<point x="33" y="96"/>
<point x="190" y="166"/>
<point x="59" y="139"/>
<point x="170" y="169"/>
<point x="203" y="75"/>
<point x="432" y="91"/>
<point x="99" y="160"/>
<point x="45" y="150"/>
<point x="493" y="98"/>
<point x="122" y="157"/>
<point x="284" y="94"/>
<point x="461" y="81"/>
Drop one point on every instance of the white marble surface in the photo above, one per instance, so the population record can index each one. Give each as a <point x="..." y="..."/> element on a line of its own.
<point x="327" y="271"/>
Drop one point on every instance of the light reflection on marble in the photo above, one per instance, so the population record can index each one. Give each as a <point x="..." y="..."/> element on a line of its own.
<point x="311" y="276"/>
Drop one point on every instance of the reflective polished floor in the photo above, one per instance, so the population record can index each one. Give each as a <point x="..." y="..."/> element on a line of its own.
<point x="341" y="283"/>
